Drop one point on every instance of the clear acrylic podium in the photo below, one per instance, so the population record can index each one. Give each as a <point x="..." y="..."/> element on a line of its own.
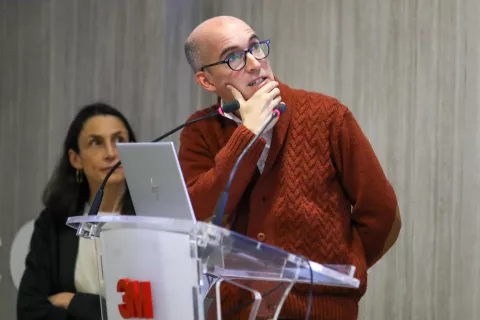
<point x="188" y="263"/>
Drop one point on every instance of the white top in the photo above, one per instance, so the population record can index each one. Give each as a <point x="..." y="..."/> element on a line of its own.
<point x="267" y="135"/>
<point x="87" y="264"/>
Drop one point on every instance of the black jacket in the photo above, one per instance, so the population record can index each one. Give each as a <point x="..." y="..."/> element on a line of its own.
<point x="50" y="269"/>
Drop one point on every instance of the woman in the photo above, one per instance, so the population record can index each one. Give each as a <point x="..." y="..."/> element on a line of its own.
<point x="60" y="280"/>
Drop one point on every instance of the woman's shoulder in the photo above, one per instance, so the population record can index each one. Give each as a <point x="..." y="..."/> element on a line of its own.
<point x="50" y="218"/>
<point x="46" y="219"/>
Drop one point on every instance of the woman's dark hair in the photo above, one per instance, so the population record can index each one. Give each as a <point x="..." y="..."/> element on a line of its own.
<point x="63" y="194"/>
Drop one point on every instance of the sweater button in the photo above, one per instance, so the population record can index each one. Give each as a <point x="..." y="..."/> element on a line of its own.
<point x="261" y="237"/>
<point x="264" y="199"/>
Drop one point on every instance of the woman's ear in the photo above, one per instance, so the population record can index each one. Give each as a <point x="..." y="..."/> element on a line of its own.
<point x="75" y="159"/>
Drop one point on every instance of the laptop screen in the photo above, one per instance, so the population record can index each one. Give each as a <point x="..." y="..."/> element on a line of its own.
<point x="155" y="180"/>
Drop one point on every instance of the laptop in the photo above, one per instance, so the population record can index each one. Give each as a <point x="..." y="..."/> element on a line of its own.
<point x="155" y="180"/>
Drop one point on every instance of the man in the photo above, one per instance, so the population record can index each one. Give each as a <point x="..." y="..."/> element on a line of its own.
<point x="311" y="184"/>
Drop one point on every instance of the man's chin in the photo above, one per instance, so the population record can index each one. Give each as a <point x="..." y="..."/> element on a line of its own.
<point x="250" y="91"/>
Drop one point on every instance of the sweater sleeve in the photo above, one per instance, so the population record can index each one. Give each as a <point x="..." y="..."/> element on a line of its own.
<point x="206" y="173"/>
<point x="371" y="195"/>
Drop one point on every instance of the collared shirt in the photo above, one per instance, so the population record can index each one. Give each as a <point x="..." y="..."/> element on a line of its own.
<point x="267" y="135"/>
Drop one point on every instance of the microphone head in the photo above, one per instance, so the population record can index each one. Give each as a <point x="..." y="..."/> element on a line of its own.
<point x="230" y="106"/>
<point x="282" y="107"/>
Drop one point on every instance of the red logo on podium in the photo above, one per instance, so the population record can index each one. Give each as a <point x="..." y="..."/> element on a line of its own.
<point x="137" y="299"/>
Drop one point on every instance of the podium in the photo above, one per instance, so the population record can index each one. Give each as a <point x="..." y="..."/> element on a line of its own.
<point x="158" y="268"/>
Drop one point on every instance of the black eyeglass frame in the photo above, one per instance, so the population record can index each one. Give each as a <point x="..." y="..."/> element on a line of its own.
<point x="249" y="50"/>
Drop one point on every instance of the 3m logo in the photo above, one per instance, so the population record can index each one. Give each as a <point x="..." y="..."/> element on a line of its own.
<point x="137" y="299"/>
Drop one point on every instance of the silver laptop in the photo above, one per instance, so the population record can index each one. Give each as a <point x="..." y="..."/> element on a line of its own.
<point x="155" y="180"/>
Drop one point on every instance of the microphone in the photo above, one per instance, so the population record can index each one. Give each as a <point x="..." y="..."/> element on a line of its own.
<point x="222" y="201"/>
<point x="226" y="108"/>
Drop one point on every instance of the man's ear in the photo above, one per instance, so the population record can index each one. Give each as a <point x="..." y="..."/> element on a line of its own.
<point x="202" y="79"/>
<point x="75" y="159"/>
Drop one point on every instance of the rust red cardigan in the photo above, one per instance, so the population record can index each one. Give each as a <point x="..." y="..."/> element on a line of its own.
<point x="322" y="194"/>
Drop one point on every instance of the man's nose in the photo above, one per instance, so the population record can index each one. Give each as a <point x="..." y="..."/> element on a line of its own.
<point x="252" y="63"/>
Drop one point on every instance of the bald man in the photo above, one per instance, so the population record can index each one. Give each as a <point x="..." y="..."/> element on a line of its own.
<point x="311" y="184"/>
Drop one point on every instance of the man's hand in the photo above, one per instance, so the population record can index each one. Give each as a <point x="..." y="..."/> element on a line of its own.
<point x="61" y="300"/>
<point x="257" y="110"/>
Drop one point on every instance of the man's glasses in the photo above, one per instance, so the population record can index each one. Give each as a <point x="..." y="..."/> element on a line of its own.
<point x="237" y="61"/>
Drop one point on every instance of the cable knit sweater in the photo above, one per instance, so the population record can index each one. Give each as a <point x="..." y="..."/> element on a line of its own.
<point x="322" y="194"/>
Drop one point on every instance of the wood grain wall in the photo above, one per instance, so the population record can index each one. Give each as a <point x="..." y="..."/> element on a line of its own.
<point x="408" y="69"/>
